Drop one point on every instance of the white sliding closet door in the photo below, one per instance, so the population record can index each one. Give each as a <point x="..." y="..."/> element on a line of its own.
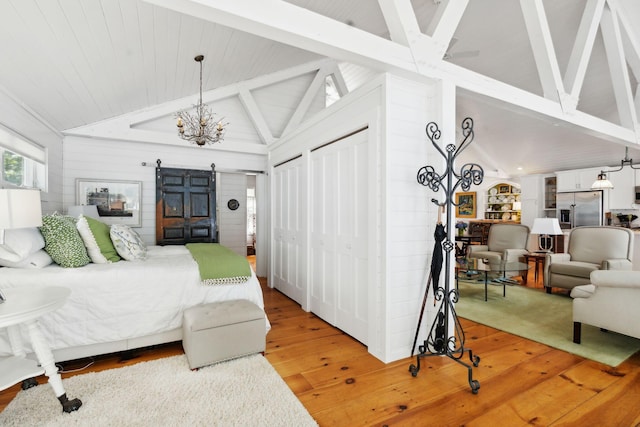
<point x="288" y="230"/>
<point x="338" y="234"/>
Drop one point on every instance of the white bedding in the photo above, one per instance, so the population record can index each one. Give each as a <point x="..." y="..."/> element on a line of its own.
<point x="123" y="300"/>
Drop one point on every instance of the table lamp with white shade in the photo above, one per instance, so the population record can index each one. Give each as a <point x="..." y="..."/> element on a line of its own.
<point x="19" y="208"/>
<point x="546" y="227"/>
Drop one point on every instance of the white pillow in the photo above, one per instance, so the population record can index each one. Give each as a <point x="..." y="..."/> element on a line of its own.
<point x="19" y="243"/>
<point x="37" y="259"/>
<point x="97" y="239"/>
<point x="128" y="243"/>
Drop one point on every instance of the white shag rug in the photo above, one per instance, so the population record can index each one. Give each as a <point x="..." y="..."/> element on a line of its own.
<point x="165" y="392"/>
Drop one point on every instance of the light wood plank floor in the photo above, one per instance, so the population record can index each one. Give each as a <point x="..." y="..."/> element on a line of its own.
<point x="522" y="382"/>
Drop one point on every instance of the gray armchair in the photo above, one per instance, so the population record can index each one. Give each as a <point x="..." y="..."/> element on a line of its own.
<point x="506" y="242"/>
<point x="589" y="249"/>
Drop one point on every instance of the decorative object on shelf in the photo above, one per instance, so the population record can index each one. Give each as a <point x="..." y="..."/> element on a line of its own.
<point x="446" y="336"/>
<point x="461" y="226"/>
<point x="546" y="227"/>
<point x="602" y="183"/>
<point x="626" y="219"/>
<point x="19" y="208"/>
<point x="503" y="188"/>
<point x="466" y="204"/>
<point x="200" y="128"/>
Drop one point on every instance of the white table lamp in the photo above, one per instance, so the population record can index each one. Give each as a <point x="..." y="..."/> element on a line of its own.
<point x="546" y="227"/>
<point x="19" y="209"/>
<point x="87" y="210"/>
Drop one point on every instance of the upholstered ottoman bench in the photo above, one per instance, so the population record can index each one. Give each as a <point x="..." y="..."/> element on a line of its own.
<point x="221" y="331"/>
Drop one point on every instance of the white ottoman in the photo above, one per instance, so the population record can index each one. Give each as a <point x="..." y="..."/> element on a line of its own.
<point x="221" y="331"/>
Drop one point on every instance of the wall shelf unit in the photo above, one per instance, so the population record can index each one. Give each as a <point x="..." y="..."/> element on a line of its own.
<point x="503" y="203"/>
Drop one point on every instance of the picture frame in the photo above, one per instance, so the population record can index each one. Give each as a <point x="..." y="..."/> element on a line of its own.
<point x="118" y="202"/>
<point x="466" y="204"/>
<point x="504" y="188"/>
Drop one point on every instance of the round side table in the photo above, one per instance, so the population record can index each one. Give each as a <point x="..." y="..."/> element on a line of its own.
<point x="24" y="307"/>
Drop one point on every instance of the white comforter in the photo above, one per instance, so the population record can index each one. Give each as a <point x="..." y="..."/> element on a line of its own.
<point x="123" y="300"/>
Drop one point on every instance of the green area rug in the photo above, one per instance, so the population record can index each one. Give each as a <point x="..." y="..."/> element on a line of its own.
<point x="544" y="318"/>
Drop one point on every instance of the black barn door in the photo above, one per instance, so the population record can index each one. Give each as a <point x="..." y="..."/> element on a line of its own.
<point x="185" y="206"/>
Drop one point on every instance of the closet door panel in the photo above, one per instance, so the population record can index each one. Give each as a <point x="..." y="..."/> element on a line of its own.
<point x="323" y="236"/>
<point x="288" y="231"/>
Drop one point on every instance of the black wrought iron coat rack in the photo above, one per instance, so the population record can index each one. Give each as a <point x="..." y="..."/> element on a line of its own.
<point x="442" y="340"/>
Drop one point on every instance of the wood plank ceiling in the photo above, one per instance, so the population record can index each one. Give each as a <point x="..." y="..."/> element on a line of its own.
<point x="74" y="63"/>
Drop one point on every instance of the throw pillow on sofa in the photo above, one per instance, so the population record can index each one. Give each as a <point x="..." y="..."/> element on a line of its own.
<point x="97" y="240"/>
<point x="63" y="242"/>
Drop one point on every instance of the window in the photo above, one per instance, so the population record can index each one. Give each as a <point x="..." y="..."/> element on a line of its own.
<point x="330" y="91"/>
<point x="23" y="162"/>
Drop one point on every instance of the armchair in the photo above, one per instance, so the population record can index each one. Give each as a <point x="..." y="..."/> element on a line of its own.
<point x="610" y="302"/>
<point x="506" y="242"/>
<point x="589" y="249"/>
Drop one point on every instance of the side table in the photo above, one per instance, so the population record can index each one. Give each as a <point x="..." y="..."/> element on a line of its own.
<point x="539" y="259"/>
<point x="24" y="307"/>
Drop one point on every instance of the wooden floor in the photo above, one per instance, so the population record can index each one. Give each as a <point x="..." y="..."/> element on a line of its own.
<point x="340" y="384"/>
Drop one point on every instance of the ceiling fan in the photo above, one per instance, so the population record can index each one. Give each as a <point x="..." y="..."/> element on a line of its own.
<point x="462" y="54"/>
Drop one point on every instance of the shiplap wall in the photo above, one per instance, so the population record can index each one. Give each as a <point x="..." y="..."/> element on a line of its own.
<point x="20" y="119"/>
<point x="401" y="216"/>
<point x="232" y="224"/>
<point x="122" y="160"/>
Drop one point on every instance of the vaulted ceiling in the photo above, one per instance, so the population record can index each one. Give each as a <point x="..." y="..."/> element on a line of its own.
<point x="77" y="62"/>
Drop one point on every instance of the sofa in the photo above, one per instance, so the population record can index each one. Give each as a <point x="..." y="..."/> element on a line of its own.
<point x="589" y="249"/>
<point x="609" y="302"/>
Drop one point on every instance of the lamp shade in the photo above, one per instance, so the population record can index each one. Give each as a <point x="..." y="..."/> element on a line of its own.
<point x="546" y="226"/>
<point x="602" y="183"/>
<point x="87" y="210"/>
<point x="20" y="208"/>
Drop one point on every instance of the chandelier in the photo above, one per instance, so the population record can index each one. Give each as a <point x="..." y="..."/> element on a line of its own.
<point x="200" y="127"/>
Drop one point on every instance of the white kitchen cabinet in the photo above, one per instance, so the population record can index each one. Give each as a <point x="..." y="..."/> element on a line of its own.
<point x="622" y="195"/>
<point x="577" y="180"/>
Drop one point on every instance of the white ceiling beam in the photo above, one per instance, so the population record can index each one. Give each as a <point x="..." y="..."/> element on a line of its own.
<point x="445" y="23"/>
<point x="255" y="115"/>
<point x="317" y="83"/>
<point x="543" y="52"/>
<point x="294" y="26"/>
<point x="162" y="138"/>
<point x="338" y="80"/>
<point x="401" y="20"/>
<point x="630" y="42"/>
<point x="582" y="49"/>
<point x="618" y="68"/>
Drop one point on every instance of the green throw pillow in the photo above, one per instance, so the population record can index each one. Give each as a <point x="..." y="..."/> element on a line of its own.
<point x="63" y="242"/>
<point x="96" y="238"/>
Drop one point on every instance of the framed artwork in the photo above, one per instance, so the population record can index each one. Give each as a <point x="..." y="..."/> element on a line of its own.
<point x="504" y="188"/>
<point x="118" y="202"/>
<point x="466" y="205"/>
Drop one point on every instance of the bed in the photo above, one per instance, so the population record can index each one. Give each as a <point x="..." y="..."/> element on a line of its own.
<point x="123" y="305"/>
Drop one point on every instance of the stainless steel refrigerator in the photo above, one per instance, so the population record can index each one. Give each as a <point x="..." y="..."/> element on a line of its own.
<point x="579" y="208"/>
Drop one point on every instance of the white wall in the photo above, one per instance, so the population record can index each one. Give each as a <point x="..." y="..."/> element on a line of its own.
<point x="122" y="160"/>
<point x="19" y="118"/>
<point x="401" y="216"/>
<point x="232" y="224"/>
